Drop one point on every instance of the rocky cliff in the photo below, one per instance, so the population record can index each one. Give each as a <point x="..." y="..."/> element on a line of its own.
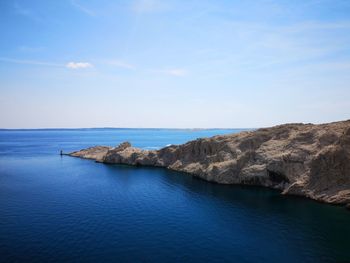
<point x="299" y="159"/>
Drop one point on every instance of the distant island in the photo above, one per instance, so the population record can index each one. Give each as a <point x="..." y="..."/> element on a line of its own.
<point x="299" y="159"/>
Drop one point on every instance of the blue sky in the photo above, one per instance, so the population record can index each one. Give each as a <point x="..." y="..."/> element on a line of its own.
<point x="193" y="63"/>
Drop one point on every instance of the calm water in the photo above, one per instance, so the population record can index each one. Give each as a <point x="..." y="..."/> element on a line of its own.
<point x="55" y="209"/>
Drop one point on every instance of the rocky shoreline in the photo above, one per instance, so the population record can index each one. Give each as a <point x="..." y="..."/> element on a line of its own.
<point x="298" y="159"/>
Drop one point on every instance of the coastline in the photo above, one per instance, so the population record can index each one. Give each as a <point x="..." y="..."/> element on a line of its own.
<point x="298" y="159"/>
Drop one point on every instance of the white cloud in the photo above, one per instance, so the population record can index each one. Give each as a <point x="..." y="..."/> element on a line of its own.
<point x="78" y="65"/>
<point x="71" y="65"/>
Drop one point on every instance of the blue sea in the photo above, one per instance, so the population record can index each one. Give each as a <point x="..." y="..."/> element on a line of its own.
<point x="62" y="209"/>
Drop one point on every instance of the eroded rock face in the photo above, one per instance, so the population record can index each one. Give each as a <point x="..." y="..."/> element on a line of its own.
<point x="95" y="153"/>
<point x="300" y="159"/>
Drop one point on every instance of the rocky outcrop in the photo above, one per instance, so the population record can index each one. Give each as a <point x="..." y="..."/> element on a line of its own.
<point x="95" y="153"/>
<point x="300" y="159"/>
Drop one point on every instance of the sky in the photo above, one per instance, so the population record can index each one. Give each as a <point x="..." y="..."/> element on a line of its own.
<point x="173" y="63"/>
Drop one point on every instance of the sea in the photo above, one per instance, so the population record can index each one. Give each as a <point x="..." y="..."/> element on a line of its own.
<point x="62" y="209"/>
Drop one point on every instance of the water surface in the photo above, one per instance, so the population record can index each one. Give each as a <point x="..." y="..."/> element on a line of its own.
<point x="55" y="209"/>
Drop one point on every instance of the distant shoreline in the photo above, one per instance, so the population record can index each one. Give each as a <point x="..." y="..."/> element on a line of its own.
<point x="110" y="128"/>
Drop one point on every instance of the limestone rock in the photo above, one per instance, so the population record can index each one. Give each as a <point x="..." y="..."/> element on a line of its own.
<point x="299" y="159"/>
<point x="96" y="153"/>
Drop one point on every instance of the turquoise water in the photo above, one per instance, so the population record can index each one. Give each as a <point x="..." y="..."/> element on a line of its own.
<point x="63" y="209"/>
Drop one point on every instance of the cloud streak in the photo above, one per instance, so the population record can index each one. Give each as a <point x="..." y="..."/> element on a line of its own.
<point x="148" y="6"/>
<point x="120" y="64"/>
<point x="26" y="12"/>
<point x="29" y="49"/>
<point x="82" y="8"/>
<point x="78" y="65"/>
<point x="70" y="65"/>
<point x="30" y="62"/>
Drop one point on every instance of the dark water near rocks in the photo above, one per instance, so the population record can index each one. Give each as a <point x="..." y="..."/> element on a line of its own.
<point x="63" y="209"/>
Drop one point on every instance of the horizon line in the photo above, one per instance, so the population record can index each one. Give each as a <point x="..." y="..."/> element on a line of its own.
<point x="173" y="128"/>
<point x="127" y="128"/>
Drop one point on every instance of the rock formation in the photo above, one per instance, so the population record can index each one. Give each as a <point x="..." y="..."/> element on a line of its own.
<point x="300" y="159"/>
